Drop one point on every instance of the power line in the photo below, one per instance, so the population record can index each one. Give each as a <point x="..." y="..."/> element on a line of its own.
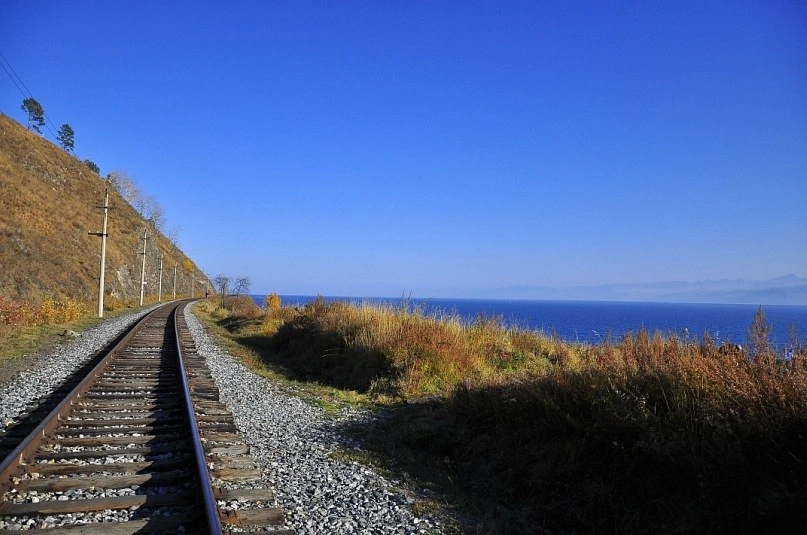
<point x="12" y="78"/>
<point x="28" y="95"/>
<point x="17" y="75"/>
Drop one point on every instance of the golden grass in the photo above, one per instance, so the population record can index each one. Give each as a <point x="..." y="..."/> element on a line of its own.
<point x="27" y="327"/>
<point x="50" y="264"/>
<point x="50" y="311"/>
<point x="218" y="320"/>
<point x="49" y="204"/>
<point x="647" y="433"/>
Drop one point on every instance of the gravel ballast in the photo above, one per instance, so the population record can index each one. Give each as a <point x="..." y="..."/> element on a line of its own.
<point x="45" y="371"/>
<point x="292" y="441"/>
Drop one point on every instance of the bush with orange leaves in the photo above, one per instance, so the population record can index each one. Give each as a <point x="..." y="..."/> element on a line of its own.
<point x="50" y="311"/>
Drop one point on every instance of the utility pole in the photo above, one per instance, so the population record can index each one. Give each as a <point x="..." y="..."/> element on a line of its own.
<point x="143" y="269"/>
<point x="103" y="235"/>
<point x="160" y="291"/>
<point x="175" y="280"/>
<point x="193" y="277"/>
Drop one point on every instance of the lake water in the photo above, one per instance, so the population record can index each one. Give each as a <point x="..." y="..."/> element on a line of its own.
<point x="593" y="321"/>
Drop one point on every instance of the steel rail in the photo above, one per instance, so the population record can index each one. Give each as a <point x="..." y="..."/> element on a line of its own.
<point x="208" y="500"/>
<point x="25" y="451"/>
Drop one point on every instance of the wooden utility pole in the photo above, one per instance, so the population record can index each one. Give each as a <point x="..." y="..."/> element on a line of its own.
<point x="103" y="235"/>
<point x="143" y="269"/>
<point x="175" y="280"/>
<point x="160" y="286"/>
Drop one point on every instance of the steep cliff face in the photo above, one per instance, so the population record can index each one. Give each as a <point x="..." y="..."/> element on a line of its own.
<point x="49" y="201"/>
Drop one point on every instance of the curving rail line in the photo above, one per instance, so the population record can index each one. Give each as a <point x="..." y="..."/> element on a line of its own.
<point x="140" y="445"/>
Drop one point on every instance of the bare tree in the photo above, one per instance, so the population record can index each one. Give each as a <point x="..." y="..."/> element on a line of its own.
<point x="154" y="213"/>
<point x="146" y="205"/>
<point x="222" y="283"/>
<point x="140" y="205"/>
<point x="242" y="285"/>
<point x="173" y="235"/>
<point x="125" y="185"/>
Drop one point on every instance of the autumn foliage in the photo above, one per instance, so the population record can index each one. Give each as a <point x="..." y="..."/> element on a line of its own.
<point x="50" y="311"/>
<point x="650" y="433"/>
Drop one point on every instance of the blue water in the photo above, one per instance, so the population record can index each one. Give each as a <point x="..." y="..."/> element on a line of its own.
<point x="593" y="321"/>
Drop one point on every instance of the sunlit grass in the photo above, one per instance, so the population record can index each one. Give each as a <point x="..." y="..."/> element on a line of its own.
<point x="27" y="327"/>
<point x="48" y="253"/>
<point x="216" y="314"/>
<point x="646" y="433"/>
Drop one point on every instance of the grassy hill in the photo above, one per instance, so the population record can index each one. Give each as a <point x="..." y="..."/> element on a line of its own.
<point x="49" y="201"/>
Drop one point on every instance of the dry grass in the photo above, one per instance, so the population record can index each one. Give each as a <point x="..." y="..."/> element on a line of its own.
<point x="50" y="311"/>
<point x="48" y="205"/>
<point x="646" y="434"/>
<point x="393" y="351"/>
<point x="27" y="328"/>
<point x="49" y="278"/>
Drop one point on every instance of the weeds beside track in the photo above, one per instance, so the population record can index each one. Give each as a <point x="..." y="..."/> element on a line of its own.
<point x="648" y="433"/>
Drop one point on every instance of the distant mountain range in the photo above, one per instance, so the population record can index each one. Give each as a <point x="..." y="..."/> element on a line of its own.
<point x="786" y="290"/>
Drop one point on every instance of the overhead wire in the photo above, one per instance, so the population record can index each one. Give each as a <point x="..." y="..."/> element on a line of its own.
<point x="17" y="75"/>
<point x="29" y="94"/>
<point x="12" y="78"/>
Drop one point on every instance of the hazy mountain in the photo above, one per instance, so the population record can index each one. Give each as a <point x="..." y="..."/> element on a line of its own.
<point x="785" y="290"/>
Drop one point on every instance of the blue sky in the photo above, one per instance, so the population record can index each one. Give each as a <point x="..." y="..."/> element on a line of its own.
<point x="441" y="148"/>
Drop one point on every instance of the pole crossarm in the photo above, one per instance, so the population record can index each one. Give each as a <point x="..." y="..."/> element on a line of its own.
<point x="103" y="234"/>
<point x="143" y="269"/>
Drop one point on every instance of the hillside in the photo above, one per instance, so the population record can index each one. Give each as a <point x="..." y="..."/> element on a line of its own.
<point x="49" y="201"/>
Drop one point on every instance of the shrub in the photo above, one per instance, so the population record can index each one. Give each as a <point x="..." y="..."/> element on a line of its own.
<point x="648" y="434"/>
<point x="93" y="166"/>
<point x="50" y="311"/>
<point x="272" y="302"/>
<point x="14" y="313"/>
<point x="759" y="336"/>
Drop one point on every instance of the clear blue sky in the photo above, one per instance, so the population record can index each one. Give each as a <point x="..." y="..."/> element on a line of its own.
<point x="435" y="148"/>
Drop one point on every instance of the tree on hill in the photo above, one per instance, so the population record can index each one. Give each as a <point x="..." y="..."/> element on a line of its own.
<point x="65" y="137"/>
<point x="36" y="114"/>
<point x="93" y="166"/>
<point x="242" y="285"/>
<point x="126" y="186"/>
<point x="146" y="205"/>
<point x="150" y="209"/>
<point x="156" y="215"/>
<point x="222" y="283"/>
<point x="173" y="235"/>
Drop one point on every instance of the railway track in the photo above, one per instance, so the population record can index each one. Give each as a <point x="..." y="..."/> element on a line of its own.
<point x="141" y="444"/>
